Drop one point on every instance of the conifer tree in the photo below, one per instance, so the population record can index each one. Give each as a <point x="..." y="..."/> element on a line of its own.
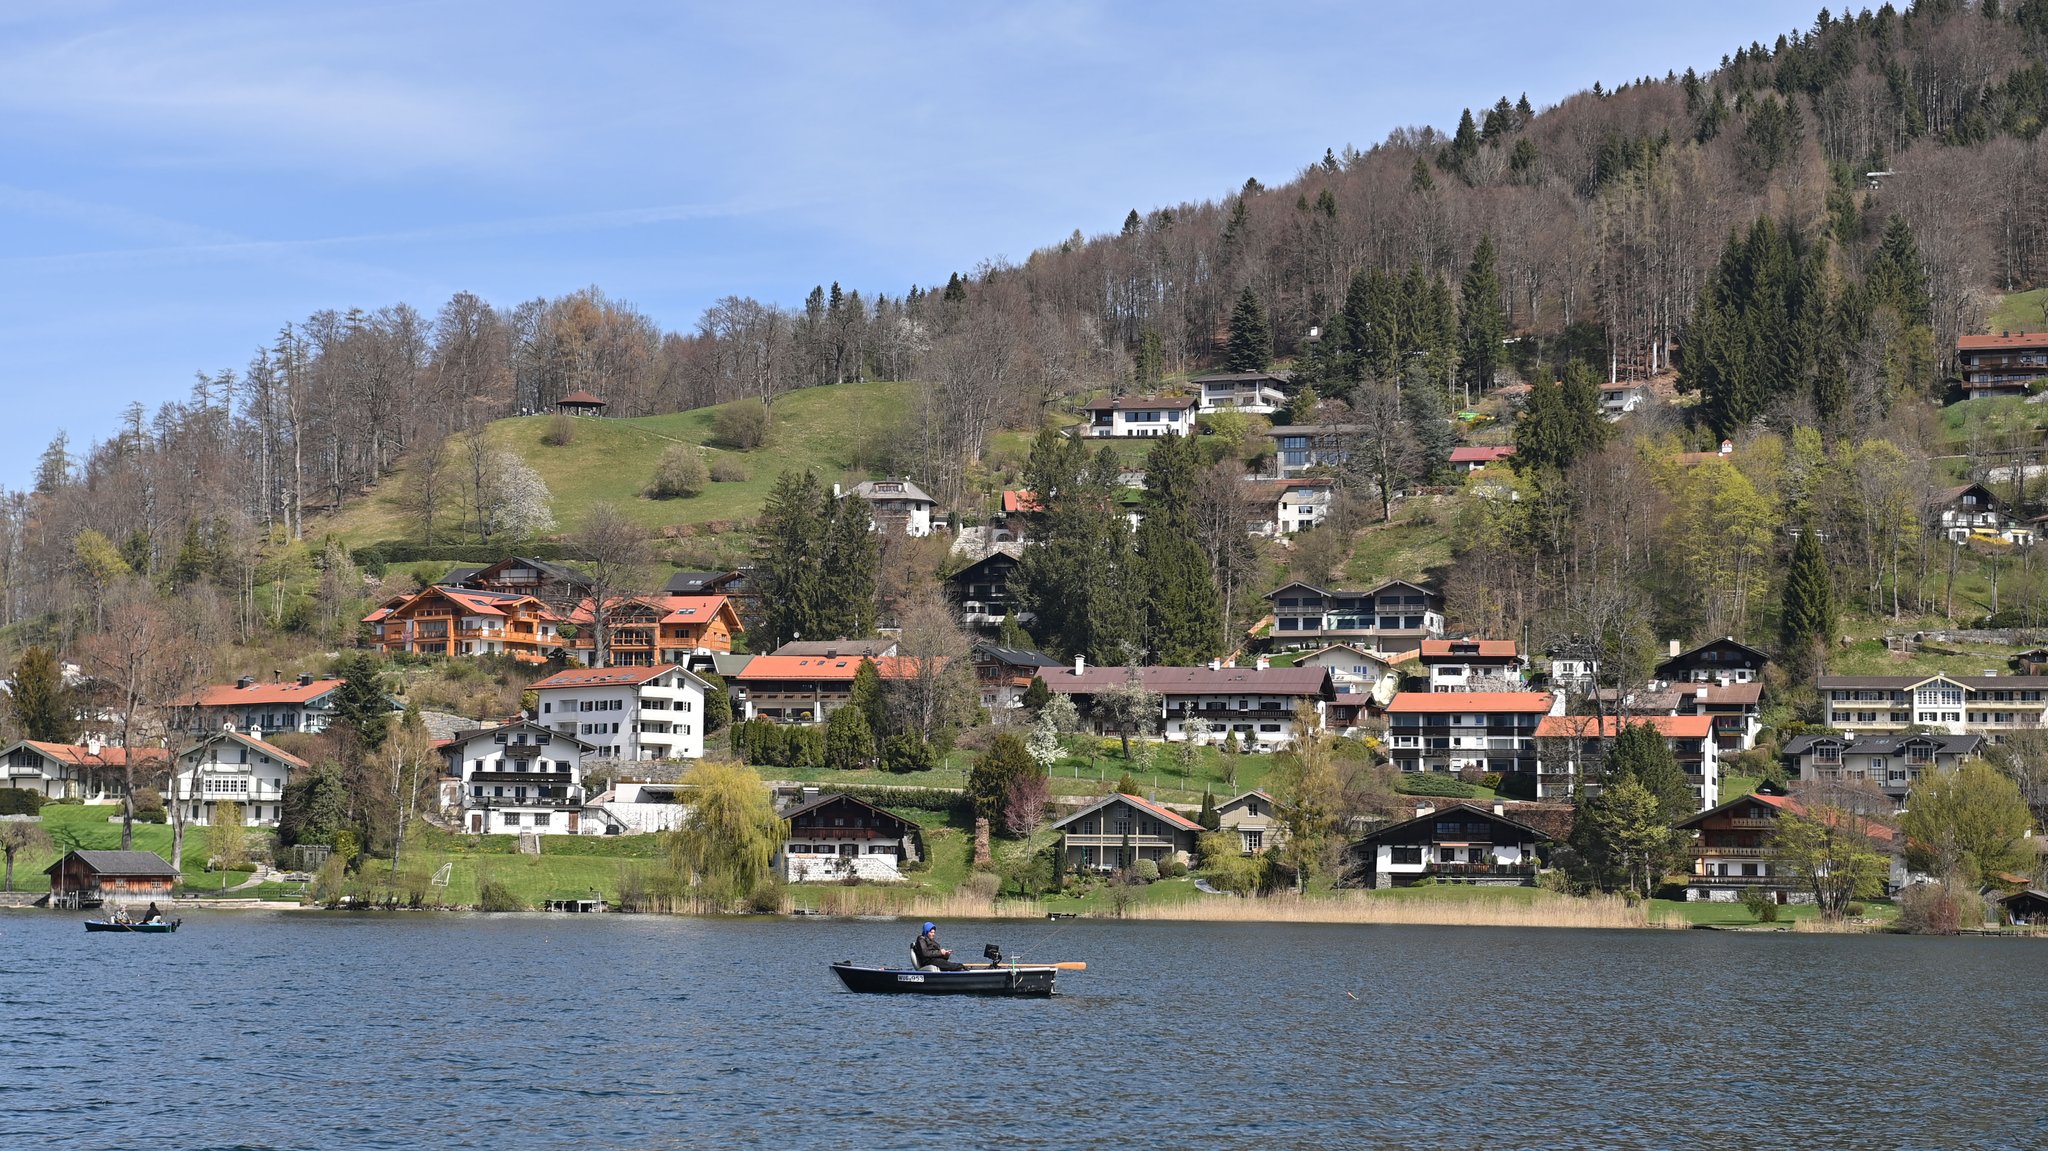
<point x="1208" y="817"/>
<point x="1481" y="323"/>
<point x="849" y="743"/>
<point x="789" y="539"/>
<point x="852" y="555"/>
<point x="867" y="696"/>
<point x="1639" y="753"/>
<point x="1808" y="620"/>
<point x="1183" y="611"/>
<point x="37" y="698"/>
<point x="1251" y="340"/>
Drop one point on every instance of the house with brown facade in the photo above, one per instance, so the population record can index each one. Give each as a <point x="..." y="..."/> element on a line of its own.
<point x="804" y="688"/>
<point x="1253" y="819"/>
<point x="93" y="878"/>
<point x="1118" y="830"/>
<point x="1256" y="704"/>
<point x="1732" y="850"/>
<point x="645" y="630"/>
<point x="1463" y="843"/>
<point x="834" y="837"/>
<point x="456" y="621"/>
<point x="2005" y="364"/>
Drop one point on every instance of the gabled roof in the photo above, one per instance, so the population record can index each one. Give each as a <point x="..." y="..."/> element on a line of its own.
<point x="1606" y="727"/>
<point x="582" y="397"/>
<point x="699" y="583"/>
<point x="1886" y="744"/>
<point x="2003" y="341"/>
<point x="1886" y="682"/>
<point x="1140" y="404"/>
<point x="1434" y="649"/>
<point x="1353" y="648"/>
<point x="1757" y="653"/>
<point x="1877" y="831"/>
<point x="79" y="755"/>
<point x="607" y="676"/>
<point x="1003" y="556"/>
<point x="546" y="568"/>
<point x="841" y="797"/>
<point x="854" y="648"/>
<point x="1173" y="819"/>
<point x="468" y="734"/>
<point x="1016" y="502"/>
<point x="290" y="691"/>
<point x="1374" y="590"/>
<point x="256" y="745"/>
<point x="1463" y="809"/>
<point x="119" y="863"/>
<point x="891" y="490"/>
<point x="1481" y="453"/>
<point x="1452" y="702"/>
<point x="696" y="608"/>
<point x="843" y="667"/>
<point x="1715" y="694"/>
<point x="1233" y="801"/>
<point x="1015" y="656"/>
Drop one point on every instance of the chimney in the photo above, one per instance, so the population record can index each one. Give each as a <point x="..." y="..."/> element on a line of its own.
<point x="835" y="491"/>
<point x="92" y="744"/>
<point x="1422" y="809"/>
<point x="1215" y="665"/>
<point x="1673" y="650"/>
<point x="1701" y="694"/>
<point x="1080" y="664"/>
<point x="255" y="733"/>
<point x="1500" y="809"/>
<point x="305" y="679"/>
<point x="1264" y="664"/>
<point x="246" y="682"/>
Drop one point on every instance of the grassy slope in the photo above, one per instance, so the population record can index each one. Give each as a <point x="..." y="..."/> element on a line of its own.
<point x="611" y="460"/>
<point x="87" y="828"/>
<point x="2020" y="312"/>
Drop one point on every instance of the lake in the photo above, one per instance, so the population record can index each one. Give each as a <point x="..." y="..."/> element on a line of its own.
<point x="340" y="1030"/>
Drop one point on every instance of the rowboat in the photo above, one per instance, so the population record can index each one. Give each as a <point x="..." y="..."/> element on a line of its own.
<point x="161" y="928"/>
<point x="1018" y="979"/>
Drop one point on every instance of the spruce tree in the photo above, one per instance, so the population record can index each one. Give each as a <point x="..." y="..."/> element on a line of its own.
<point x="852" y="555"/>
<point x="1639" y="753"/>
<point x="867" y="696"/>
<point x="1481" y="323"/>
<point x="1251" y="340"/>
<point x="1808" y="621"/>
<point x="1183" y="610"/>
<point x="849" y="743"/>
<point x="360" y="704"/>
<point x="38" y="699"/>
<point x="1208" y="817"/>
<point x="789" y="539"/>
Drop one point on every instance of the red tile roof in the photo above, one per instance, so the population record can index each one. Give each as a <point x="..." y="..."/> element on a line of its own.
<point x="604" y="676"/>
<point x="1173" y="818"/>
<point x="107" y="756"/>
<point x="290" y="691"/>
<point x="1586" y="726"/>
<point x="1451" y="702"/>
<point x="824" y="667"/>
<point x="1021" y="501"/>
<point x="1481" y="453"/>
<point x="1483" y="648"/>
<point x="2013" y="340"/>
<point x="579" y="396"/>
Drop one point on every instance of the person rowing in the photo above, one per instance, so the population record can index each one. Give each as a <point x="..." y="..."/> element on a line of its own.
<point x="929" y="954"/>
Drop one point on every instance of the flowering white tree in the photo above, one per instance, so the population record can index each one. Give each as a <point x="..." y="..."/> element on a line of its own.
<point x="515" y="503"/>
<point x="1044" y="742"/>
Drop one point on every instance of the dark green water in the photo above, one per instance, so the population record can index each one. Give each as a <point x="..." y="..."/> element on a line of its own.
<point x="336" y="1031"/>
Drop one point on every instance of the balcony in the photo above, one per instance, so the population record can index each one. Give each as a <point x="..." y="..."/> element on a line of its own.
<point x="1701" y="851"/>
<point x="840" y="833"/>
<point x="499" y="801"/>
<point x="1764" y="824"/>
<point x="529" y="778"/>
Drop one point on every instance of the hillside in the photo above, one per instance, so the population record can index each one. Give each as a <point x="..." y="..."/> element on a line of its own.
<point x="832" y="429"/>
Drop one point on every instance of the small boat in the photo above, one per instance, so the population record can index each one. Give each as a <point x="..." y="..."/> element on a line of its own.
<point x="1010" y="979"/>
<point x="162" y="927"/>
<point x="998" y="976"/>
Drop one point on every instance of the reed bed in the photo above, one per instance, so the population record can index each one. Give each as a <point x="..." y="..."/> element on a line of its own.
<point x="1362" y="907"/>
<point x="868" y="900"/>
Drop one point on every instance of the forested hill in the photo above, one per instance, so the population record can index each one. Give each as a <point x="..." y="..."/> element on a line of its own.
<point x="1599" y="227"/>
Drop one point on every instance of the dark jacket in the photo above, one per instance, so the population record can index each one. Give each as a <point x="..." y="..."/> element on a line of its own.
<point x="928" y="953"/>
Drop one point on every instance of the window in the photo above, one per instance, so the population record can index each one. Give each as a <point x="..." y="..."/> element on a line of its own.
<point x="511" y="819"/>
<point x="1410" y="855"/>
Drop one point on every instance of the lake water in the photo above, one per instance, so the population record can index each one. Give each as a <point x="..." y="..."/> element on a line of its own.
<point x="298" y="1030"/>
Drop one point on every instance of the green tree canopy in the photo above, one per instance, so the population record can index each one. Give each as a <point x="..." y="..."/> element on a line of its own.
<point x="38" y="699"/>
<point x="1250" y="348"/>
<point x="728" y="841"/>
<point x="995" y="770"/>
<point x="1968" y="824"/>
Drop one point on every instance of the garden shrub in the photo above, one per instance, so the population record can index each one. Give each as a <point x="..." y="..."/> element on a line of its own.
<point x="19" y="801"/>
<point x="728" y="470"/>
<point x="1146" y="870"/>
<point x="1172" y="869"/>
<point x="1431" y="784"/>
<point x="1490" y="780"/>
<point x="494" y="896"/>
<point x="1761" y="905"/>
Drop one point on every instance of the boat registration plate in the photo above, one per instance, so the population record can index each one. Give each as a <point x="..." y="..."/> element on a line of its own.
<point x="909" y="978"/>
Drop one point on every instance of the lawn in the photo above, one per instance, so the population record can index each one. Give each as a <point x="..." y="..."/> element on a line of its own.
<point x="2021" y="312"/>
<point x="826" y="428"/>
<point x="1409" y="548"/>
<point x="1736" y="915"/>
<point x="1155" y="768"/>
<point x="87" y="828"/>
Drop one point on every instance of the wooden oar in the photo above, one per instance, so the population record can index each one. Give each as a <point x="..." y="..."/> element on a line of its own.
<point x="1029" y="963"/>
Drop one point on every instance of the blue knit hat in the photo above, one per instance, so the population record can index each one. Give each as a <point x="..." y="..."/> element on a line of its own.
<point x="929" y="927"/>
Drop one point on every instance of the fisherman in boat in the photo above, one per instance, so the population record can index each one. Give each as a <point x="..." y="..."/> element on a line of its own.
<point x="930" y="955"/>
<point x="152" y="915"/>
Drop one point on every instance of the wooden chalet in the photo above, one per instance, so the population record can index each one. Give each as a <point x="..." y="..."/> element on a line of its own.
<point x="1463" y="843"/>
<point x="1117" y="830"/>
<point x="837" y="836"/>
<point x="91" y="878"/>
<point x="1732" y="848"/>
<point x="1716" y="660"/>
<point x="90" y="771"/>
<point x="459" y="621"/>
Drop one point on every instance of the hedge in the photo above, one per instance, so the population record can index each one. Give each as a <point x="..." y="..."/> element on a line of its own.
<point x="20" y="801"/>
<point x="1427" y="783"/>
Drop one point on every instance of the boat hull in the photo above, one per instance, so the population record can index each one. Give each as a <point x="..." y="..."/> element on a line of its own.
<point x="133" y="928"/>
<point x="1020" y="980"/>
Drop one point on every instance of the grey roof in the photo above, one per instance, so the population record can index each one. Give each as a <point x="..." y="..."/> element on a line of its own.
<point x="122" y="863"/>
<point x="1234" y="377"/>
<point x="1315" y="429"/>
<point x="870" y="648"/>
<point x="1887" y="744"/>
<point x="1458" y="809"/>
<point x="1303" y="681"/>
<point x="456" y="576"/>
<point x="695" y="583"/>
<point x="728" y="664"/>
<point x="1017" y="656"/>
<point x="518" y="725"/>
<point x="891" y="490"/>
<point x="837" y="796"/>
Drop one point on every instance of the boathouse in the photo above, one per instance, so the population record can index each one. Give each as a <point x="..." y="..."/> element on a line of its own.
<point x="91" y="878"/>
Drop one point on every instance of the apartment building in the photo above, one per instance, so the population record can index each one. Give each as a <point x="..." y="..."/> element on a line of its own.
<point x="1989" y="705"/>
<point x="1481" y="730"/>
<point x="629" y="713"/>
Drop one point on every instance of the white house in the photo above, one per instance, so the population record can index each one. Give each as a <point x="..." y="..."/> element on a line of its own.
<point x="1473" y="664"/>
<point x="897" y="505"/>
<point x="233" y="767"/>
<point x="1619" y="399"/>
<point x="1356" y="669"/>
<point x="1139" y="416"/>
<point x="305" y="704"/>
<point x="1256" y="392"/>
<point x="1302" y="504"/>
<point x="1257" y="704"/>
<point x="91" y="771"/>
<point x="627" y="712"/>
<point x="518" y="777"/>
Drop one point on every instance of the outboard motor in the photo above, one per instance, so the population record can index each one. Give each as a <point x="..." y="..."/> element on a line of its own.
<point x="993" y="953"/>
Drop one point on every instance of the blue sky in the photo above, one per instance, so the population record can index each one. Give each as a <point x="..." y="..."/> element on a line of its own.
<point x="180" y="180"/>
